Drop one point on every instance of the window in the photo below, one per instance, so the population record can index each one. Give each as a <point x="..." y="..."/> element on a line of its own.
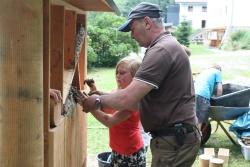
<point x="204" y="8"/>
<point x="203" y="24"/>
<point x="190" y="8"/>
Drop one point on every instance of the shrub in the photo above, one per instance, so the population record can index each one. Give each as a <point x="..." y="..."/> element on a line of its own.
<point x="239" y="39"/>
<point x="108" y="44"/>
<point x="91" y="55"/>
<point x="183" y="32"/>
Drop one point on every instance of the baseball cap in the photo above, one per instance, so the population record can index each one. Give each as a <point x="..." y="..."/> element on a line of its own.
<point x="140" y="11"/>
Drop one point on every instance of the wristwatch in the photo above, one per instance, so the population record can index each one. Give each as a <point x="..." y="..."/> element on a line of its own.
<point x="98" y="103"/>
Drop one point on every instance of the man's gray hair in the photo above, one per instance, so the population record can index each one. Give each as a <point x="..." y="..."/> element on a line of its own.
<point x="158" y="22"/>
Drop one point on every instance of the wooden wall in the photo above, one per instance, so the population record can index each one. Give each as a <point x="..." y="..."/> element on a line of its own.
<point x="37" y="52"/>
<point x="66" y="128"/>
<point x="21" y="83"/>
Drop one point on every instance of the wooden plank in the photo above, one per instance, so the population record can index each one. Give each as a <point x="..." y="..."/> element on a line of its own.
<point x="67" y="81"/>
<point x="55" y="113"/>
<point x="46" y="79"/>
<point x="82" y="117"/>
<point x="89" y="5"/>
<point x="69" y="39"/>
<point x="82" y="63"/>
<point x="76" y="79"/>
<point x="75" y="136"/>
<point x="57" y="47"/>
<point x="68" y="6"/>
<point x="21" y="86"/>
<point x="57" y="146"/>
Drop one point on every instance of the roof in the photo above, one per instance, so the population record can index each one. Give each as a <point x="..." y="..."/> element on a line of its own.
<point x="191" y="1"/>
<point x="91" y="5"/>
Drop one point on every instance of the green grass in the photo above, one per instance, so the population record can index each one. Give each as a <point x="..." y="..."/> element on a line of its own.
<point x="104" y="78"/>
<point x="220" y="140"/>
<point x="235" y="67"/>
<point x="98" y="140"/>
<point x="199" y="49"/>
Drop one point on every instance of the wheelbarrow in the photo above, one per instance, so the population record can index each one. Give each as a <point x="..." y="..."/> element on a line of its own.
<point x="233" y="103"/>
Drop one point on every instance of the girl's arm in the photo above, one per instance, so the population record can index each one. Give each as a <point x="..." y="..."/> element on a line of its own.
<point x="110" y="120"/>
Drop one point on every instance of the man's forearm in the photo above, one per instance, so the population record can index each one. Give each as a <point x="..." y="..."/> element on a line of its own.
<point x="123" y="99"/>
<point x="219" y="90"/>
<point x="119" y="101"/>
<point x="128" y="98"/>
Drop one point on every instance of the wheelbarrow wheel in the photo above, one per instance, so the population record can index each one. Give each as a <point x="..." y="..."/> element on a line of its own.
<point x="206" y="130"/>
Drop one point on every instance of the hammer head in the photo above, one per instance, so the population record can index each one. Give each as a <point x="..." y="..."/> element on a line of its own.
<point x="89" y="82"/>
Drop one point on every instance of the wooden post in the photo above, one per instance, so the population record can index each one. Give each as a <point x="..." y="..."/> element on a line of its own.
<point x="57" y="47"/>
<point x="46" y="79"/>
<point x="21" y="83"/>
<point x="204" y="160"/>
<point x="224" y="154"/>
<point x="216" y="162"/>
<point x="209" y="151"/>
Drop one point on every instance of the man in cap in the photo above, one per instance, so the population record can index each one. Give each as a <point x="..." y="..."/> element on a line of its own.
<point x="162" y="89"/>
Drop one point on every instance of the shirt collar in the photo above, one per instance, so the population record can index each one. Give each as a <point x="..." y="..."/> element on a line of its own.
<point x="162" y="35"/>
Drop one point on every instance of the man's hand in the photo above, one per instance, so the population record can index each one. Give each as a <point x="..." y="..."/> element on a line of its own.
<point x="89" y="104"/>
<point x="89" y="82"/>
<point x="56" y="95"/>
<point x="79" y="96"/>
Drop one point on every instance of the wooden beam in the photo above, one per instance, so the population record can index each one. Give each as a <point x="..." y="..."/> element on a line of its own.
<point x="69" y="39"/>
<point x="75" y="138"/>
<point x="57" y="146"/>
<point x="68" y="6"/>
<point x="21" y="86"/>
<point x="46" y="79"/>
<point x="57" y="47"/>
<point x="55" y="113"/>
<point x="82" y="62"/>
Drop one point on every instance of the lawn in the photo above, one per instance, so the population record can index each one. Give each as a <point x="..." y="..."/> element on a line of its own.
<point x="235" y="69"/>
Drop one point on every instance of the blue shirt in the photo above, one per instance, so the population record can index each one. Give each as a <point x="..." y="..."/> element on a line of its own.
<point x="206" y="81"/>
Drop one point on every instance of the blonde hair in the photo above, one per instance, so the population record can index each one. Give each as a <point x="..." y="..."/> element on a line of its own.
<point x="132" y="62"/>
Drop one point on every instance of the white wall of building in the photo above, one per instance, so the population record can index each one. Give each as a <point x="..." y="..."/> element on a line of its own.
<point x="196" y="16"/>
<point x="223" y="13"/>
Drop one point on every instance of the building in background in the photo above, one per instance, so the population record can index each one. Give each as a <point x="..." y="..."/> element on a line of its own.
<point x="214" y="20"/>
<point x="224" y="17"/>
<point x="193" y="11"/>
<point x="172" y="15"/>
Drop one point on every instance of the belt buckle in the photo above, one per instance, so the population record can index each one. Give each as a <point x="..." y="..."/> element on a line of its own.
<point x="178" y="125"/>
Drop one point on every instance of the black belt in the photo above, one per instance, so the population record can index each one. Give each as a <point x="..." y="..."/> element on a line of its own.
<point x="174" y="130"/>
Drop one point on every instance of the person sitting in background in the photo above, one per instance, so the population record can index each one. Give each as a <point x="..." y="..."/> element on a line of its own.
<point x="124" y="127"/>
<point x="55" y="94"/>
<point x="207" y="83"/>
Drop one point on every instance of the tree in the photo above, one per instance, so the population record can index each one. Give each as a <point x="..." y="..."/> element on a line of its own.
<point x="108" y="44"/>
<point x="183" y="32"/>
<point x="92" y="56"/>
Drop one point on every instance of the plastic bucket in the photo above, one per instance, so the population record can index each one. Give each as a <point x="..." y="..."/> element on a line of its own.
<point x="102" y="159"/>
